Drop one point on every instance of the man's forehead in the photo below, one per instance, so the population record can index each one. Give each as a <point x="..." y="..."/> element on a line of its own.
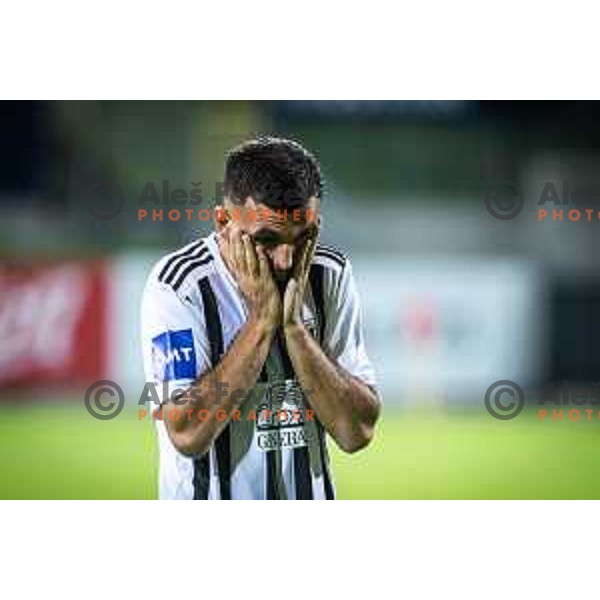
<point x="288" y="222"/>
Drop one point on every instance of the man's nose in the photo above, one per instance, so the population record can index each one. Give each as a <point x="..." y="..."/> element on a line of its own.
<point x="282" y="257"/>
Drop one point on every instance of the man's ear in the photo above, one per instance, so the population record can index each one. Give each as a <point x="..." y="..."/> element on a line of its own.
<point x="220" y="218"/>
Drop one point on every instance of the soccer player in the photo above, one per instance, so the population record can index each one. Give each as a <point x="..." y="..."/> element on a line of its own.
<point x="256" y="332"/>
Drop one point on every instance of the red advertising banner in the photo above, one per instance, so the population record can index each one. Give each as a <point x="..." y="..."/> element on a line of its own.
<point x="53" y="323"/>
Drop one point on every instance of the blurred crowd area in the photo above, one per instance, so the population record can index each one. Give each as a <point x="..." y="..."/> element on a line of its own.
<point x="401" y="177"/>
<point x="406" y="189"/>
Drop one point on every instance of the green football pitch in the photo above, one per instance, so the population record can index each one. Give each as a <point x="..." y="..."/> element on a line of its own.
<point x="50" y="451"/>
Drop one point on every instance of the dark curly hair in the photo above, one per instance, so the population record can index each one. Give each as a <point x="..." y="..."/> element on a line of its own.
<point x="275" y="171"/>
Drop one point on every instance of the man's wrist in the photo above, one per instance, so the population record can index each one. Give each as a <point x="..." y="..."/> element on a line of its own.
<point x="263" y="327"/>
<point x="294" y="330"/>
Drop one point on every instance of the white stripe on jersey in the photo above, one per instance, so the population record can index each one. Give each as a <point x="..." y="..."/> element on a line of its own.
<point x="176" y="349"/>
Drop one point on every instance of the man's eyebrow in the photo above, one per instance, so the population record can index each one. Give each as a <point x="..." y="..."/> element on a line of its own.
<point x="265" y="231"/>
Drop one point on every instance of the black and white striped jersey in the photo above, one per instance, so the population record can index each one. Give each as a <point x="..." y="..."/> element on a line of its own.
<point x="192" y="310"/>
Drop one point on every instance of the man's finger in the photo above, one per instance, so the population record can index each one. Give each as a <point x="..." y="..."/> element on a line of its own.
<point x="263" y="264"/>
<point x="237" y="249"/>
<point x="250" y="256"/>
<point x="224" y="246"/>
<point x="310" y="252"/>
<point x="299" y="264"/>
<point x="303" y="265"/>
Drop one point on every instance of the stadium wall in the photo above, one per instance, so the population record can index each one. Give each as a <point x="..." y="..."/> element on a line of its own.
<point x="437" y="330"/>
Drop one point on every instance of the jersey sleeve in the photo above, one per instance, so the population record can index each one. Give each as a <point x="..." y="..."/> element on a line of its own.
<point x="344" y="332"/>
<point x="174" y="341"/>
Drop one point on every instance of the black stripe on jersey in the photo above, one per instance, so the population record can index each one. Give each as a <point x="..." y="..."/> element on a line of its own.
<point x="333" y="250"/>
<point x="173" y="258"/>
<point x="335" y="255"/>
<point x="201" y="479"/>
<point x="214" y="331"/>
<point x="263" y="377"/>
<point x="223" y="452"/>
<point x="271" y="459"/>
<point x="271" y="455"/>
<point x="212" y="319"/>
<point x="329" y="495"/>
<point x="316" y="278"/>
<point x="190" y="267"/>
<point x="302" y="478"/>
<point x="199" y="252"/>
<point x="177" y="268"/>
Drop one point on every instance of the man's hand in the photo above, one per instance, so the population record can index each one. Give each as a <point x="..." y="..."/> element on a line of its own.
<point x="251" y="270"/>
<point x="242" y="363"/>
<point x="296" y="287"/>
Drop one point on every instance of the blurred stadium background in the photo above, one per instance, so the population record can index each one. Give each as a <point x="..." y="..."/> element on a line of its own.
<point x="455" y="298"/>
